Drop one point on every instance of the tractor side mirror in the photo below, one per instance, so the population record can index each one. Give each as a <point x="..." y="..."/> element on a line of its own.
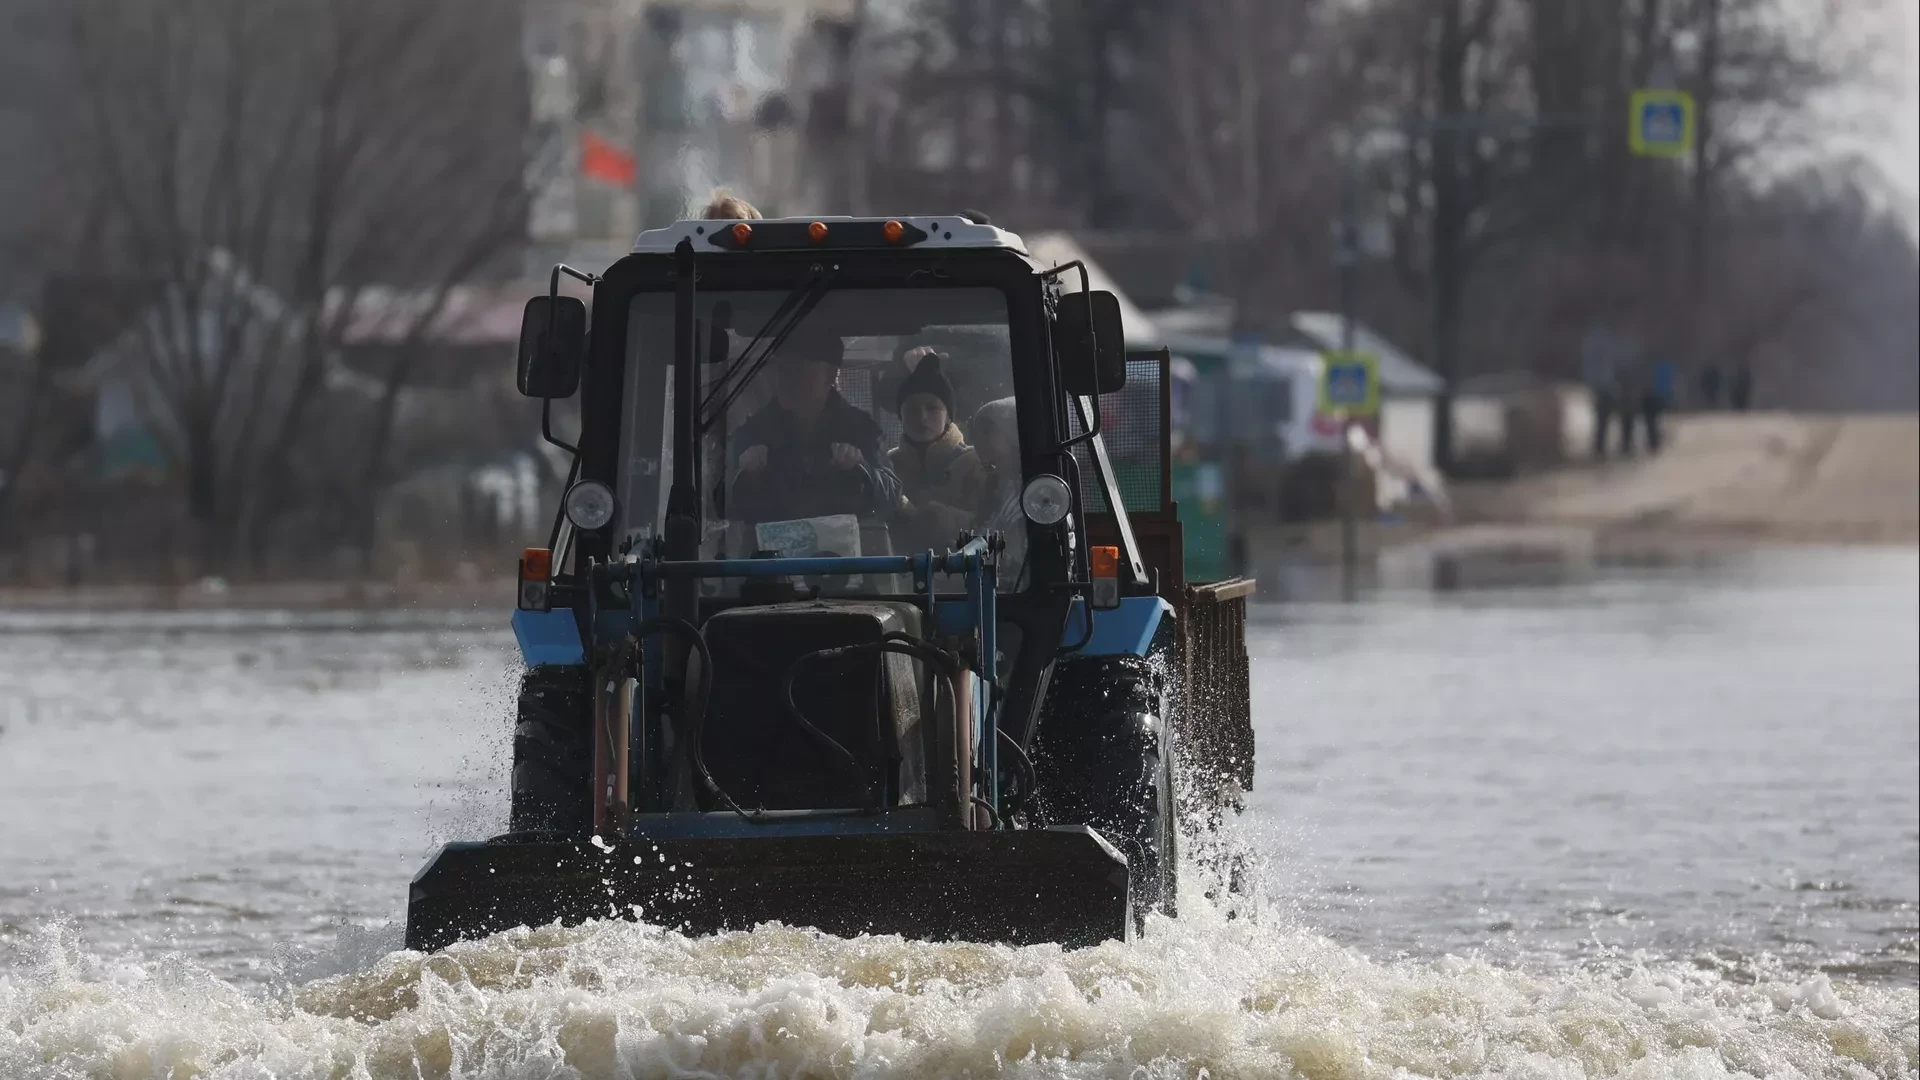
<point x="1092" y="343"/>
<point x="553" y="346"/>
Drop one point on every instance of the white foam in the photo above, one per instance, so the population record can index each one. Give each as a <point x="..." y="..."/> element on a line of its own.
<point x="1205" y="995"/>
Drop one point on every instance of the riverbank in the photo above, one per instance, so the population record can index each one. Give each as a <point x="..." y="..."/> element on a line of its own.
<point x="1722" y="484"/>
<point x="1750" y="479"/>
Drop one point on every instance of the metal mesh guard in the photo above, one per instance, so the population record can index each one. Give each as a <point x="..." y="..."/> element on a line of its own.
<point x="1130" y="426"/>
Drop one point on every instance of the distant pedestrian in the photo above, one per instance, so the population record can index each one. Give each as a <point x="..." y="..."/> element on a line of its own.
<point x="79" y="559"/>
<point x="1628" y="389"/>
<point x="1710" y="387"/>
<point x="1740" y="390"/>
<point x="1656" y="398"/>
<point x="1599" y="368"/>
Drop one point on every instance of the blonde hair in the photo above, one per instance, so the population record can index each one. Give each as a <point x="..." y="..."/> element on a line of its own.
<point x="995" y="417"/>
<point x="726" y="206"/>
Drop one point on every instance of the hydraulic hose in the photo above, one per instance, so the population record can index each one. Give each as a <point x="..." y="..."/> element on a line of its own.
<point x="612" y="806"/>
<point x="999" y="823"/>
<point x="1028" y="780"/>
<point x="1023" y="764"/>
<point x="697" y="703"/>
<point x="895" y="642"/>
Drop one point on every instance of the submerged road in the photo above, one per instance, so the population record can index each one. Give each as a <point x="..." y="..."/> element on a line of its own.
<point x="1672" y="808"/>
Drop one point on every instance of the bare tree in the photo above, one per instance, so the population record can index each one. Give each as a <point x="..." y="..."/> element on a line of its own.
<point x="1250" y="119"/>
<point x="1465" y="189"/>
<point x="1017" y="107"/>
<point x="257" y="156"/>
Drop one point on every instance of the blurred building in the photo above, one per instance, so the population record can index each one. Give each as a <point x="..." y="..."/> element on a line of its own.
<point x="642" y="107"/>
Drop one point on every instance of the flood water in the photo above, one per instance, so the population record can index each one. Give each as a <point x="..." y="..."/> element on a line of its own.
<point x="1616" y="820"/>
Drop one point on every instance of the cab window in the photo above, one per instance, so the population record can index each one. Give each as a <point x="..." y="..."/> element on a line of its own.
<point x="882" y="423"/>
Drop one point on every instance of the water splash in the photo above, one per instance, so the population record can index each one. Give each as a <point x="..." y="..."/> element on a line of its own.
<point x="1213" y="993"/>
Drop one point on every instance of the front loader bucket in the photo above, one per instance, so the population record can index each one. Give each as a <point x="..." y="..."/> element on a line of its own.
<point x="1022" y="887"/>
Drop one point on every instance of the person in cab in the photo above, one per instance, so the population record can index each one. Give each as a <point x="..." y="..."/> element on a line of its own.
<point x="809" y="452"/>
<point x="997" y="446"/>
<point x="939" y="473"/>
<point x="996" y="439"/>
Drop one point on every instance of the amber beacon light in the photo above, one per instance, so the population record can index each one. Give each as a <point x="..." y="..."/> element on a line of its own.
<point x="536" y="573"/>
<point x="893" y="231"/>
<point x="742" y="233"/>
<point x="817" y="232"/>
<point x="1104" y="562"/>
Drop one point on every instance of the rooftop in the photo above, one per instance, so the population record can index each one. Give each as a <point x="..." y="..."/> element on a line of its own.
<point x="1399" y="372"/>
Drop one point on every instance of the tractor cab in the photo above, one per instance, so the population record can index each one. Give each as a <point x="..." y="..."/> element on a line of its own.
<point x="815" y="424"/>
<point x="845" y="612"/>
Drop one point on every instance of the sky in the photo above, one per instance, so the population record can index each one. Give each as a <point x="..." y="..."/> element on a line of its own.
<point x="1886" y="108"/>
<point x="1903" y="159"/>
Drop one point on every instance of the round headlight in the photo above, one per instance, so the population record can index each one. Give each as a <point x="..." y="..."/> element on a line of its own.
<point x="589" y="505"/>
<point x="1046" y="500"/>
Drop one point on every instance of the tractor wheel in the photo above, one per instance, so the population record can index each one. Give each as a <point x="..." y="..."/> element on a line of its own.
<point x="1102" y="758"/>
<point x="553" y="753"/>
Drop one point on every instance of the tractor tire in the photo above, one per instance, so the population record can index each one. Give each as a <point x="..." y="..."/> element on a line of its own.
<point x="553" y="753"/>
<point x="1103" y="757"/>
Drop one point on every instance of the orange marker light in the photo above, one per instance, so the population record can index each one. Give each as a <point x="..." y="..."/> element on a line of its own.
<point x="893" y="231"/>
<point x="536" y="564"/>
<point x="818" y="231"/>
<point x="742" y="233"/>
<point x="1105" y="561"/>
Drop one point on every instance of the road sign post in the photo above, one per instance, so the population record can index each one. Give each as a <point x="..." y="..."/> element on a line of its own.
<point x="1350" y="384"/>
<point x="1660" y="123"/>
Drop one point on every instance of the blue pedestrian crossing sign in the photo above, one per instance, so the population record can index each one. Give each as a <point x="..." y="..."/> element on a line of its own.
<point x="1660" y="123"/>
<point x="1349" y="384"/>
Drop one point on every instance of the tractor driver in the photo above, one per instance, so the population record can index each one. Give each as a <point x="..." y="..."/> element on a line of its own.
<point x="809" y="452"/>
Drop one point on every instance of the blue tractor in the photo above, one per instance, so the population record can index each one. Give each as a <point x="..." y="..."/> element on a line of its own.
<point x="796" y="651"/>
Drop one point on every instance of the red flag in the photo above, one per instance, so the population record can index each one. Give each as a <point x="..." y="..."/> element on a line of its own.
<point x="603" y="161"/>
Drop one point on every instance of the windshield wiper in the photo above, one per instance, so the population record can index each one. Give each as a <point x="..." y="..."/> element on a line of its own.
<point x="797" y="305"/>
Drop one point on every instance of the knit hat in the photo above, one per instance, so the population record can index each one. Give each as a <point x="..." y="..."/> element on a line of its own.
<point x="927" y="378"/>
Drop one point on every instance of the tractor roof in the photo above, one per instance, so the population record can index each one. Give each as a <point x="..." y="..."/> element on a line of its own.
<point x="797" y="233"/>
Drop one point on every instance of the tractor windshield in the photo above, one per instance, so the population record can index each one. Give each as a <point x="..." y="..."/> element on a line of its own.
<point x="880" y="422"/>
